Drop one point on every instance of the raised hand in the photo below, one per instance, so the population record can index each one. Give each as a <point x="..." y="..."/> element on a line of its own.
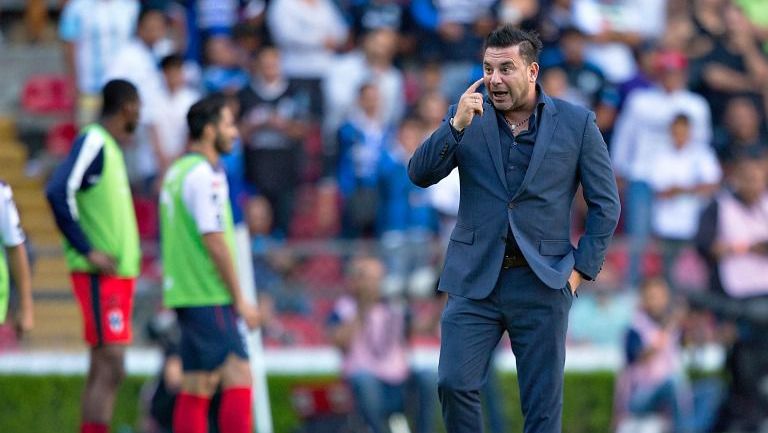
<point x="470" y="104"/>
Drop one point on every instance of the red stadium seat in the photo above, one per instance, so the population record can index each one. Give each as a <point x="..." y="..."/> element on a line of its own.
<point x="47" y="94"/>
<point x="59" y="139"/>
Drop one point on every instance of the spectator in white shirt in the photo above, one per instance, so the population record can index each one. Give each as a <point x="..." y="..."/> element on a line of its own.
<point x="170" y="120"/>
<point x="372" y="63"/>
<point x="307" y="32"/>
<point x="92" y="32"/>
<point x="136" y="63"/>
<point x="615" y="27"/>
<point x="685" y="176"/>
<point x="640" y="132"/>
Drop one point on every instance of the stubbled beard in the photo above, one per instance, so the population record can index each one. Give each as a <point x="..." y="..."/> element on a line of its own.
<point x="220" y="144"/>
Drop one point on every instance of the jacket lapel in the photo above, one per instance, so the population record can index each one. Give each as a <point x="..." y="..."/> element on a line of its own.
<point x="491" y="132"/>
<point x="543" y="139"/>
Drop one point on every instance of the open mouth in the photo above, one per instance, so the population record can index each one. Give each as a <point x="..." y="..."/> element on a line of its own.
<point x="498" y="94"/>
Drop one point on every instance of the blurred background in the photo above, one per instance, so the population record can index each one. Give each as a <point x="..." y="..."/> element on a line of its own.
<point x="333" y="97"/>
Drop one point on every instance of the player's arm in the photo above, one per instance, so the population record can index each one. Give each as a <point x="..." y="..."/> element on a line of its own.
<point x="19" y="266"/>
<point x="13" y="235"/>
<point x="80" y="170"/>
<point x="219" y="251"/>
<point x="203" y="194"/>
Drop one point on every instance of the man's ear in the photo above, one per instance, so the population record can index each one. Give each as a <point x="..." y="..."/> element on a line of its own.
<point x="534" y="71"/>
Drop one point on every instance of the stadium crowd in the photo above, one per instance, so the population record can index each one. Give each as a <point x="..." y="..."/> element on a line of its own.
<point x="332" y="97"/>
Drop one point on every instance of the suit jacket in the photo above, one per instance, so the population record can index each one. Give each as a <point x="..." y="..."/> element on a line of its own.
<point x="569" y="150"/>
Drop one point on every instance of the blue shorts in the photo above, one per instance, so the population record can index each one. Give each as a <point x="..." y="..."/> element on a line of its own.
<point x="208" y="336"/>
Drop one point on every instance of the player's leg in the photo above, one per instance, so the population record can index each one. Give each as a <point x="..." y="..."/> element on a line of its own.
<point x="107" y="304"/>
<point x="190" y="411"/>
<point x="235" y="413"/>
<point x="206" y="350"/>
<point x="105" y="374"/>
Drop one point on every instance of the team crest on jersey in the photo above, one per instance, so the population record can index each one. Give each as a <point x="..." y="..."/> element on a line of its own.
<point x="116" y="321"/>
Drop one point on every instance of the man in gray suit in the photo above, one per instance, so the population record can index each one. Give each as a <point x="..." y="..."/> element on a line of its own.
<point x="510" y="264"/>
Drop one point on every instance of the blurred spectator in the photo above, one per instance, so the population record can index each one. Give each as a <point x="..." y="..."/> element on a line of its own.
<point x="555" y="16"/>
<point x="423" y="79"/>
<point x="159" y="394"/>
<point x="92" y="32"/>
<point x="170" y="120"/>
<point x="615" y="28"/>
<point x="638" y="137"/>
<point x="372" y="334"/>
<point x="308" y="32"/>
<point x="209" y="18"/>
<point x="586" y="81"/>
<point x="734" y="66"/>
<point x="516" y="12"/>
<point x="273" y="124"/>
<point x="452" y="32"/>
<point x="601" y="316"/>
<point x="258" y="216"/>
<point x="755" y="12"/>
<point x="742" y="134"/>
<point x="371" y="15"/>
<point x="137" y="63"/>
<point x="362" y="138"/>
<point x="431" y="108"/>
<point x="653" y="380"/>
<point x="554" y="81"/>
<point x="407" y="221"/>
<point x="373" y="63"/>
<point x="234" y="167"/>
<point x="643" y="78"/>
<point x="222" y="72"/>
<point x="733" y="232"/>
<point x="708" y="19"/>
<point x="685" y="175"/>
<point x="733" y="238"/>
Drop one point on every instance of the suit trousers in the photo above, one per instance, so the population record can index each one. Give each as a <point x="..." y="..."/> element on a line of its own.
<point x="536" y="319"/>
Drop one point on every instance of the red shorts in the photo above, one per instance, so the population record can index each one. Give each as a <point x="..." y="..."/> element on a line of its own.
<point x="106" y="302"/>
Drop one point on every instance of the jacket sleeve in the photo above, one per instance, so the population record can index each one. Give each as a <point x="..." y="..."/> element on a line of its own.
<point x="79" y="171"/>
<point x="436" y="157"/>
<point x="601" y="194"/>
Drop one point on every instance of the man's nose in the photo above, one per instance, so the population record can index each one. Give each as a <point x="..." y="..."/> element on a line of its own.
<point x="495" y="78"/>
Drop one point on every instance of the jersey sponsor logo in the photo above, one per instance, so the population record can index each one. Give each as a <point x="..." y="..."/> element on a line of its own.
<point x="115" y="320"/>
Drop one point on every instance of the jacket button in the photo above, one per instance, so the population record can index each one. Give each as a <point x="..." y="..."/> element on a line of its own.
<point x="512" y="205"/>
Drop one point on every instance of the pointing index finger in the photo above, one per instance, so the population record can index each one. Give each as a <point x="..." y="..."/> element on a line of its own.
<point x="473" y="88"/>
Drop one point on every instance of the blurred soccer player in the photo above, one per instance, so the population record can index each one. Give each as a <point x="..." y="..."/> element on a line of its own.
<point x="12" y="239"/>
<point x="198" y="247"/>
<point x="91" y="201"/>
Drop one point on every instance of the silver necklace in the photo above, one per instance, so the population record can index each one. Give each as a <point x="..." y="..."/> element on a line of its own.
<point x="514" y="126"/>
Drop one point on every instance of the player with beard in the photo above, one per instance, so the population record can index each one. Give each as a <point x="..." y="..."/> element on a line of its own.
<point x="200" y="281"/>
<point x="91" y="201"/>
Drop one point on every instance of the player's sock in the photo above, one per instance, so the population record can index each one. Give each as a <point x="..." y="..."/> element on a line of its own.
<point x="190" y="413"/>
<point x="93" y="427"/>
<point x="235" y="411"/>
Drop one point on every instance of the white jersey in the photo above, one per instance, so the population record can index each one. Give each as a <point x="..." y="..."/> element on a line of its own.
<point x="205" y="192"/>
<point x="11" y="233"/>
